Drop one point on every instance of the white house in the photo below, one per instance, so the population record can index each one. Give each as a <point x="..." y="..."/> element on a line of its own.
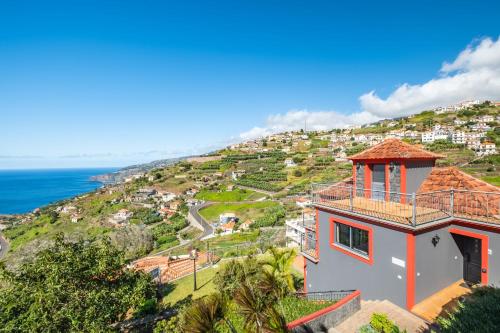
<point x="427" y="137"/>
<point x="458" y="137"/>
<point x="485" y="149"/>
<point x="289" y="163"/>
<point x="121" y="217"/>
<point x="295" y="229"/>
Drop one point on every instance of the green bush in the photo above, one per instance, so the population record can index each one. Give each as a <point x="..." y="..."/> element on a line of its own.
<point x="478" y="313"/>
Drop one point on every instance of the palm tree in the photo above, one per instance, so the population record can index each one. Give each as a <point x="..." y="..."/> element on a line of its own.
<point x="206" y="314"/>
<point x="279" y="264"/>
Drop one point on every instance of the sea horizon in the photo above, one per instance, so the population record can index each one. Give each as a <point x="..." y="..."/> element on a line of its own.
<point x="23" y="190"/>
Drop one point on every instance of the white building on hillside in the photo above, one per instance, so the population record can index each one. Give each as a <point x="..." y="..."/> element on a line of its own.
<point x="458" y="137"/>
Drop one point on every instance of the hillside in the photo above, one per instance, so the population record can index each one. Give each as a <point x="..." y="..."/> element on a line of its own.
<point x="256" y="180"/>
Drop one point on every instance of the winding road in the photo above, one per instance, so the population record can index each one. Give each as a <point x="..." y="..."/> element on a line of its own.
<point x="193" y="214"/>
<point x="4" y="247"/>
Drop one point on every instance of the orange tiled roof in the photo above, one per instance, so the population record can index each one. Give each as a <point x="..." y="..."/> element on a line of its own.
<point x="394" y="148"/>
<point x="471" y="199"/>
<point x="452" y="178"/>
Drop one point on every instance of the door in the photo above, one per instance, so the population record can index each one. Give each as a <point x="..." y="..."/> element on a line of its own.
<point x="378" y="182"/>
<point x="472" y="260"/>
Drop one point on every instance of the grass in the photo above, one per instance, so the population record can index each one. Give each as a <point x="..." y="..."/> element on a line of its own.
<point x="228" y="196"/>
<point x="182" y="289"/>
<point x="242" y="210"/>
<point x="234" y="239"/>
<point x="494" y="180"/>
<point x="191" y="233"/>
<point x="295" y="308"/>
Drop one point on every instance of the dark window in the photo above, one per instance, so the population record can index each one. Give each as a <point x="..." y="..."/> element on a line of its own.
<point x="343" y="234"/>
<point x="354" y="238"/>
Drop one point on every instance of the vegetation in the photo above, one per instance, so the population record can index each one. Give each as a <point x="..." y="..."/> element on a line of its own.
<point x="380" y="323"/>
<point x="72" y="286"/>
<point x="260" y="184"/>
<point x="477" y="313"/>
<point x="273" y="216"/>
<point x="242" y="210"/>
<point x="253" y="295"/>
<point x="145" y="216"/>
<point x="227" y="196"/>
<point x="165" y="234"/>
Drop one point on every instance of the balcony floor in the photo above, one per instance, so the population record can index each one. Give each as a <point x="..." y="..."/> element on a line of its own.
<point x="386" y="210"/>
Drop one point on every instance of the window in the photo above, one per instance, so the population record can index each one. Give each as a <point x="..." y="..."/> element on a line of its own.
<point x="355" y="239"/>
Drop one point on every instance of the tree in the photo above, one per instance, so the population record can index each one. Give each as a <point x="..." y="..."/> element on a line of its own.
<point x="279" y="265"/>
<point x="72" y="286"/>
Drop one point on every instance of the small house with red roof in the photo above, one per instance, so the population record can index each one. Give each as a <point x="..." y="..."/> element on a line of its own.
<point x="401" y="228"/>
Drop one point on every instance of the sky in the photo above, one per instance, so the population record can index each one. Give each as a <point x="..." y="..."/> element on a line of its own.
<point x="114" y="83"/>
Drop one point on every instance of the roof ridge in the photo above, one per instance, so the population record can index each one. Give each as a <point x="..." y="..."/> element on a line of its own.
<point x="395" y="148"/>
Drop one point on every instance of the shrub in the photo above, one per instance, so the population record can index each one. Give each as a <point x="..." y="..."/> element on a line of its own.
<point x="478" y="313"/>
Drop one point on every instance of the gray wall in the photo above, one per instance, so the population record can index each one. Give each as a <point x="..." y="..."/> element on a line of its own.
<point x="436" y="267"/>
<point x="337" y="271"/>
<point x="416" y="172"/>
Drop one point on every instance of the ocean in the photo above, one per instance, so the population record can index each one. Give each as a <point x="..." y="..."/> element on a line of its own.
<point x="21" y="191"/>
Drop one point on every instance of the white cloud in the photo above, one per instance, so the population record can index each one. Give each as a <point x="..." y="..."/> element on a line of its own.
<point x="313" y="120"/>
<point x="474" y="74"/>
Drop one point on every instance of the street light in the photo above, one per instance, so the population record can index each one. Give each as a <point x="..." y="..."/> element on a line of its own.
<point x="193" y="255"/>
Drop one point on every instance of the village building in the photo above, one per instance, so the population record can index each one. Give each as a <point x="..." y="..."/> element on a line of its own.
<point x="402" y="229"/>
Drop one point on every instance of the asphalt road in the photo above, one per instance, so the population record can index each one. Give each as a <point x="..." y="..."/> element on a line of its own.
<point x="5" y="247"/>
<point x="207" y="228"/>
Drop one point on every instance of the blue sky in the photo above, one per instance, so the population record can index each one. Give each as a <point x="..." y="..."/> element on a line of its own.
<point x="111" y="83"/>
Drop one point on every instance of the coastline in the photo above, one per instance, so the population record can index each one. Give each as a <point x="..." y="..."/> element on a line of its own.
<point x="23" y="190"/>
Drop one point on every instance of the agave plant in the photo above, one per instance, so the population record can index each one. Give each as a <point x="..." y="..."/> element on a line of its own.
<point x="206" y="315"/>
<point x="252" y="306"/>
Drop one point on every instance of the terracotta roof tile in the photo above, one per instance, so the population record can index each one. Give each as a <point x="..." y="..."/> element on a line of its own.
<point x="470" y="198"/>
<point x="394" y="148"/>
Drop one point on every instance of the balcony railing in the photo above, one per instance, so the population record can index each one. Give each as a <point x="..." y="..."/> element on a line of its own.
<point x="309" y="244"/>
<point x="410" y="209"/>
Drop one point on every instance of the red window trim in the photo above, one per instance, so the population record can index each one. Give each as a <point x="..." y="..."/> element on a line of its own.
<point x="484" y="250"/>
<point x="359" y="257"/>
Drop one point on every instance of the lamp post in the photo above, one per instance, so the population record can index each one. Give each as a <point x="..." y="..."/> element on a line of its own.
<point x="193" y="256"/>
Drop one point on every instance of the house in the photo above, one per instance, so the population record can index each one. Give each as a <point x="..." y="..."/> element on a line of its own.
<point x="75" y="218"/>
<point x="226" y="217"/>
<point x="302" y="202"/>
<point x="458" y="137"/>
<point x="245" y="225"/>
<point x="289" y="163"/>
<point x="404" y="229"/>
<point x="295" y="229"/>
<point x="486" y="148"/>
<point x="121" y="217"/>
<point x="228" y="227"/>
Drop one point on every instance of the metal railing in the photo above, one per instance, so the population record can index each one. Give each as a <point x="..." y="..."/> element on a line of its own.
<point x="309" y="243"/>
<point x="410" y="209"/>
<point x="332" y="295"/>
